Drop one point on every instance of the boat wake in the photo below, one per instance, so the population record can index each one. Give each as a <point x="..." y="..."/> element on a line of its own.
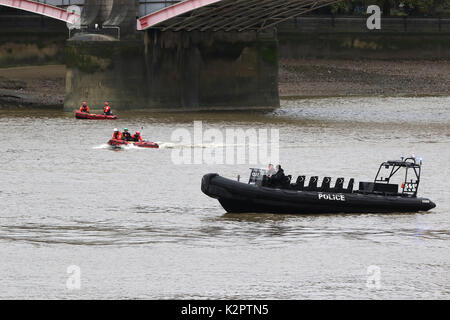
<point x="171" y="145"/>
<point x="123" y="147"/>
<point x="102" y="146"/>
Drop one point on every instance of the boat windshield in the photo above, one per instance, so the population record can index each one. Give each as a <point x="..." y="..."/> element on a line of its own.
<point x="256" y="175"/>
<point x="409" y="182"/>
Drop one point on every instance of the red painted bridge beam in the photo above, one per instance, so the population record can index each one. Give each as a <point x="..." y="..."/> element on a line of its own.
<point x="43" y="9"/>
<point x="170" y="12"/>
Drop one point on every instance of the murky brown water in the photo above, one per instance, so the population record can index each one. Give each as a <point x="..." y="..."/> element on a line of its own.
<point x="138" y="226"/>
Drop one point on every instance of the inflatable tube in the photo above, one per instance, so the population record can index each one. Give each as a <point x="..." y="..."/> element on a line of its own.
<point x="238" y="197"/>
<point x="93" y="116"/>
<point x="143" y="144"/>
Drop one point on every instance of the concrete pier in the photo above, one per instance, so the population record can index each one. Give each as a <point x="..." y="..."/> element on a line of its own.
<point x="168" y="71"/>
<point x="202" y="70"/>
<point x="174" y="71"/>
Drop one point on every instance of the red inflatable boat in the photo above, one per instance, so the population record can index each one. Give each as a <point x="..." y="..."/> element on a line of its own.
<point x="143" y="144"/>
<point x="93" y="116"/>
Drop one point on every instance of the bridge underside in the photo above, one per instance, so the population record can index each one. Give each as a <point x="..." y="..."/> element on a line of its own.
<point x="197" y="54"/>
<point x="228" y="15"/>
<point x="187" y="15"/>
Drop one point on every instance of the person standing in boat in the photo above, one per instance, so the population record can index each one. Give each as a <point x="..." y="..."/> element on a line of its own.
<point x="271" y="170"/>
<point x="126" y="135"/>
<point x="107" y="110"/>
<point x="84" y="107"/>
<point x="117" y="134"/>
<point x="278" y="178"/>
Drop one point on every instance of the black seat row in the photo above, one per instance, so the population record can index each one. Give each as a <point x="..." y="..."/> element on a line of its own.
<point x="285" y="183"/>
<point x="325" y="186"/>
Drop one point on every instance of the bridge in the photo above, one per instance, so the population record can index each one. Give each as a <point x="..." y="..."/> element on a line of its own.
<point x="226" y="15"/>
<point x="167" y="54"/>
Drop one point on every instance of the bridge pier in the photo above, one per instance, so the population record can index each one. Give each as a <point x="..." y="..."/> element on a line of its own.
<point x="170" y="71"/>
<point x="211" y="70"/>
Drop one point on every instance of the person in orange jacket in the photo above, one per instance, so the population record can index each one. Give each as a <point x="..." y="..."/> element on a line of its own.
<point x="107" y="109"/>
<point x="136" y="137"/>
<point x="117" y="135"/>
<point x="84" y="107"/>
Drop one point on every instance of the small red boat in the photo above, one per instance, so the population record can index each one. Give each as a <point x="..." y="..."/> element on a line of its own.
<point x="93" y="116"/>
<point x="141" y="144"/>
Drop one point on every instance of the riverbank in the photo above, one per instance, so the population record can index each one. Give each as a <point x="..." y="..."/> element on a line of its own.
<point x="33" y="86"/>
<point x="329" y="78"/>
<point x="36" y="86"/>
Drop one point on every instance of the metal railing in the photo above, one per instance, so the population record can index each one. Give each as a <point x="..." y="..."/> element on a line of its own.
<point x="358" y="24"/>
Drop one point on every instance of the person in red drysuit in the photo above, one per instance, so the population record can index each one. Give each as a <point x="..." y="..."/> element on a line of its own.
<point x="84" y="107"/>
<point x="107" y="109"/>
<point x="136" y="137"/>
<point x="117" y="135"/>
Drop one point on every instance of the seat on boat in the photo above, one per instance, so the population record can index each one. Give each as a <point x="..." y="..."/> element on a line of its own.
<point x="366" y="187"/>
<point x="287" y="181"/>
<point x="325" y="184"/>
<point x="312" y="186"/>
<point x="265" y="181"/>
<point x="349" y="188"/>
<point x="339" y="185"/>
<point x="300" y="183"/>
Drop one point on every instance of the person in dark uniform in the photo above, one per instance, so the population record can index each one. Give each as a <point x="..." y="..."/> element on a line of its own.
<point x="278" y="178"/>
<point x="126" y="135"/>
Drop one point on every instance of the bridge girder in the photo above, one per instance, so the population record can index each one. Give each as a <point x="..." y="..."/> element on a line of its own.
<point x="201" y="15"/>
<point x="227" y="15"/>
<point x="42" y="9"/>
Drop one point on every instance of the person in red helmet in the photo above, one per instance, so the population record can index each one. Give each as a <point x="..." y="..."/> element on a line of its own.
<point x="84" y="107"/>
<point x="136" y="137"/>
<point x="107" y="109"/>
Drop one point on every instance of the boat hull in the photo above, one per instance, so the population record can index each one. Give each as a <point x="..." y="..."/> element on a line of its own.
<point x="91" y="116"/>
<point x="143" y="144"/>
<point x="237" y="197"/>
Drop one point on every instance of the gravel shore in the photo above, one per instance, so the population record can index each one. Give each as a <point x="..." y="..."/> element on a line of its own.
<point x="34" y="86"/>
<point x="44" y="86"/>
<point x="328" y="78"/>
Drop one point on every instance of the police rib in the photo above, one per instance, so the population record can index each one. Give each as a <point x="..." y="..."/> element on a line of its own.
<point x="263" y="194"/>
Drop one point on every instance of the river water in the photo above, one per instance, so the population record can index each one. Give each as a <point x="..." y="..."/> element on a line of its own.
<point x="136" y="225"/>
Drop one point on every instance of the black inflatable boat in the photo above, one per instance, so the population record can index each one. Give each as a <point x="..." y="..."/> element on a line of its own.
<point x="259" y="195"/>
